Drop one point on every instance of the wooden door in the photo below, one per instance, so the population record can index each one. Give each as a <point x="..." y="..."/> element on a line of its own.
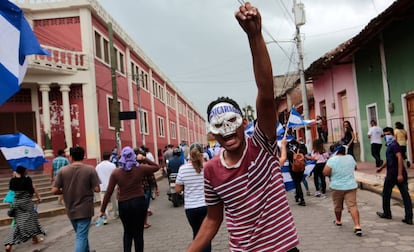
<point x="410" y="114"/>
<point x="13" y="122"/>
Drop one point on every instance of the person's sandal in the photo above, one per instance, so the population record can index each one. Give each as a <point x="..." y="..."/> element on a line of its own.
<point x="37" y="240"/>
<point x="357" y="231"/>
<point x="337" y="223"/>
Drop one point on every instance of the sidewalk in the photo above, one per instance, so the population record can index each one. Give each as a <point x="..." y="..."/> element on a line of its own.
<point x="369" y="179"/>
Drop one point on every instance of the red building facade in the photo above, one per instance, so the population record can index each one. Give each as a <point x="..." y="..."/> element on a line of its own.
<point x="68" y="98"/>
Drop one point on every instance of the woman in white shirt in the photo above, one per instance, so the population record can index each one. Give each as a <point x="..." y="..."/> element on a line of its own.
<point x="190" y="179"/>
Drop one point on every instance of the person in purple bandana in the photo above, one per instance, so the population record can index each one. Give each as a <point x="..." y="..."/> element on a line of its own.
<point x="131" y="199"/>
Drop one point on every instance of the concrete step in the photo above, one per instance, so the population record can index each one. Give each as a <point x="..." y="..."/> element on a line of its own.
<point x="49" y="206"/>
<point x="45" y="199"/>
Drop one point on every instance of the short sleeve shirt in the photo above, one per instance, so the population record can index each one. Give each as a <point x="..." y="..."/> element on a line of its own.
<point x="376" y="134"/>
<point x="193" y="183"/>
<point x="257" y="212"/>
<point x="342" y="175"/>
<point x="78" y="182"/>
<point x="392" y="160"/>
<point x="58" y="163"/>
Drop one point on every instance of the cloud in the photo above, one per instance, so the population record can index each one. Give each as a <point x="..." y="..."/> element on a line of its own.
<point x="201" y="48"/>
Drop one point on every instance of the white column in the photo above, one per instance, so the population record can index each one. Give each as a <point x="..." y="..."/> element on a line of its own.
<point x="45" y="89"/>
<point x="65" y="88"/>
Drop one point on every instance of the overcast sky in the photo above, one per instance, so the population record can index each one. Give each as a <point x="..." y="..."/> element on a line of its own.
<point x="200" y="47"/>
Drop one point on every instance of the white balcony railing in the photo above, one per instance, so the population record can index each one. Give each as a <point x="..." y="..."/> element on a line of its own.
<point x="61" y="59"/>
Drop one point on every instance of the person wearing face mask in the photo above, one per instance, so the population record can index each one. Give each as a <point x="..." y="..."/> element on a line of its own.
<point x="396" y="175"/>
<point x="244" y="181"/>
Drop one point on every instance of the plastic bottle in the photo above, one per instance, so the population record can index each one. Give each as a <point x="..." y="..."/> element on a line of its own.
<point x="99" y="222"/>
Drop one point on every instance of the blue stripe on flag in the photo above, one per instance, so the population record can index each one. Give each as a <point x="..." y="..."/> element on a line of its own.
<point x="14" y="140"/>
<point x="8" y="84"/>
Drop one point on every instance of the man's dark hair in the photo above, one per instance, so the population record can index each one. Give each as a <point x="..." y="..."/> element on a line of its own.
<point x="106" y="155"/>
<point x="222" y="99"/>
<point x="61" y="152"/>
<point x="77" y="153"/>
<point x="139" y="150"/>
<point x="388" y="129"/>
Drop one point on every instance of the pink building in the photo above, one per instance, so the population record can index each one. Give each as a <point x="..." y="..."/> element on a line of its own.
<point x="68" y="98"/>
<point x="335" y="95"/>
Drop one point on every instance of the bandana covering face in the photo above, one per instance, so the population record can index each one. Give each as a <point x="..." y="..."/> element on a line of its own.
<point x="128" y="159"/>
<point x="224" y="119"/>
<point x="388" y="139"/>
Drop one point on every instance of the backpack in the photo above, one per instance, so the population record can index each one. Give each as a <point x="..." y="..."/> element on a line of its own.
<point x="298" y="164"/>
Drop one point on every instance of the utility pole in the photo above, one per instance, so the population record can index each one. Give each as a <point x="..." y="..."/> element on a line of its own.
<point x="139" y="79"/>
<point x="299" y="13"/>
<point x="115" y="105"/>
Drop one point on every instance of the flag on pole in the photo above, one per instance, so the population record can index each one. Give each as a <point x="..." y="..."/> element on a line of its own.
<point x="19" y="150"/>
<point x="296" y="120"/>
<point x="17" y="41"/>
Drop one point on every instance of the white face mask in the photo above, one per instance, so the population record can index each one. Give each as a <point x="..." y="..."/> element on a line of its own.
<point x="388" y="139"/>
<point x="225" y="119"/>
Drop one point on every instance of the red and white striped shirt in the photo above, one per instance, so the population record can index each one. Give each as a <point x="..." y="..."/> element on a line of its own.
<point x="257" y="212"/>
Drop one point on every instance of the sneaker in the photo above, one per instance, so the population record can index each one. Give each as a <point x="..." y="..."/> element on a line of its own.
<point x="302" y="203"/>
<point x="384" y="216"/>
<point x="408" y="164"/>
<point x="317" y="194"/>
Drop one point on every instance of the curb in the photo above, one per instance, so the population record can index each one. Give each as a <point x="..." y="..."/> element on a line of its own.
<point x="377" y="188"/>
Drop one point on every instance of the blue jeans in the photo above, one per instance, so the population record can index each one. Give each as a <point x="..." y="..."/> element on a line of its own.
<point x="148" y="193"/>
<point x="195" y="217"/>
<point x="132" y="213"/>
<point x="81" y="227"/>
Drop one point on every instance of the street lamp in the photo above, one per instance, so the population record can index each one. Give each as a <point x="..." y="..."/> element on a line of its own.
<point x="299" y="13"/>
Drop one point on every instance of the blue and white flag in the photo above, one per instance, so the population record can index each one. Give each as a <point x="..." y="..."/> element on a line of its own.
<point x="19" y="150"/>
<point x="280" y="130"/>
<point x="249" y="129"/>
<point x="287" y="179"/>
<point x="296" y="120"/>
<point x="17" y="41"/>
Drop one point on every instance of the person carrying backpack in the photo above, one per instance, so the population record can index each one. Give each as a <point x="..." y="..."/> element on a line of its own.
<point x="296" y="157"/>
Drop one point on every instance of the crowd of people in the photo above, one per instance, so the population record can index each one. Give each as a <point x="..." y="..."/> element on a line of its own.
<point x="239" y="178"/>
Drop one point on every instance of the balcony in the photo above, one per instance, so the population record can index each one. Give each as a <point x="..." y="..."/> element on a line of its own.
<point x="60" y="60"/>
